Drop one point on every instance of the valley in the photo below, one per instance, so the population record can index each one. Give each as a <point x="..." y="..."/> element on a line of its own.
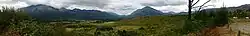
<point x="44" y="20"/>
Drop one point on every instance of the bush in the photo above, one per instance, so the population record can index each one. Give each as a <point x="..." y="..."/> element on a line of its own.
<point x="16" y="22"/>
<point x="32" y="28"/>
<point x="206" y="20"/>
<point x="221" y="17"/>
<point x="9" y="16"/>
<point x="241" y="13"/>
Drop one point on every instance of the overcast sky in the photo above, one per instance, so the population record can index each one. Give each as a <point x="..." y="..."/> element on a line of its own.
<point x="122" y="7"/>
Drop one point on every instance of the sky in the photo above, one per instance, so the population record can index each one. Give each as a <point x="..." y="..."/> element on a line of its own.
<point x="122" y="7"/>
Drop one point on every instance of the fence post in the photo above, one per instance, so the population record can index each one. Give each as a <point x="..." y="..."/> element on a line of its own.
<point x="238" y="34"/>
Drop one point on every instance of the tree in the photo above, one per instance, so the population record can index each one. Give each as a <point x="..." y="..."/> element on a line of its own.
<point x="191" y="5"/>
<point x="10" y="16"/>
<point x="190" y="25"/>
<point x="221" y="17"/>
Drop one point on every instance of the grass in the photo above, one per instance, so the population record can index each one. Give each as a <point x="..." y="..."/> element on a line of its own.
<point x="153" y="25"/>
<point x="128" y="28"/>
<point x="140" y="26"/>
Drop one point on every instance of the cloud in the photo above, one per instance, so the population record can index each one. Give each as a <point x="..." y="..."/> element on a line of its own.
<point x="7" y="2"/>
<point x="121" y="8"/>
<point x="95" y="3"/>
<point x="164" y="3"/>
<point x="166" y="9"/>
<point x="61" y="3"/>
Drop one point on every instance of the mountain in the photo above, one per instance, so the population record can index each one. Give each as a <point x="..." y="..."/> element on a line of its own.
<point x="170" y="13"/>
<point x="41" y="11"/>
<point x="45" y="12"/>
<point x="93" y="15"/>
<point x="246" y="6"/>
<point x="146" y="11"/>
<point x="231" y="9"/>
<point x="182" y="13"/>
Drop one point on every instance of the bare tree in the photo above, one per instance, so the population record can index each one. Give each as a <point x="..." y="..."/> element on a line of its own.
<point x="191" y="4"/>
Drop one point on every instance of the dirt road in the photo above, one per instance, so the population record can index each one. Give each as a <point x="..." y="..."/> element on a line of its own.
<point x="242" y="26"/>
<point x="233" y="29"/>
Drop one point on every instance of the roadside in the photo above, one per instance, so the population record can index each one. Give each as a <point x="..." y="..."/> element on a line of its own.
<point x="238" y="27"/>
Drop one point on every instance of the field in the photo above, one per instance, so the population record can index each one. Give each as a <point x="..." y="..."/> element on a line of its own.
<point x="159" y="25"/>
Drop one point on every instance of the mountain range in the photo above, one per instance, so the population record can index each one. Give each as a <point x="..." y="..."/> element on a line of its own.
<point x="230" y="9"/>
<point x="46" y="12"/>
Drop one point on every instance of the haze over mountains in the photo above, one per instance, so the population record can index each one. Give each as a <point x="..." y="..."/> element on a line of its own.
<point x="46" y="12"/>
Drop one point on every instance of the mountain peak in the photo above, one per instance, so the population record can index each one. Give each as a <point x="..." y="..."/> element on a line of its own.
<point x="76" y="9"/>
<point x="40" y="8"/>
<point x="147" y="7"/>
<point x="63" y="8"/>
<point x="146" y="11"/>
<point x="39" y="5"/>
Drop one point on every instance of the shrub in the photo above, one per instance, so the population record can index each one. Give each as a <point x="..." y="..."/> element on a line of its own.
<point x="206" y="20"/>
<point x="9" y="16"/>
<point x="32" y="28"/>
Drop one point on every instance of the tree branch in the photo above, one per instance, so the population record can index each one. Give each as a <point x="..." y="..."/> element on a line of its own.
<point x="196" y="2"/>
<point x="192" y="1"/>
<point x="203" y="5"/>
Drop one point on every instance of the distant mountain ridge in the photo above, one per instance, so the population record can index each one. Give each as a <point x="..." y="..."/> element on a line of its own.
<point x="41" y="11"/>
<point x="45" y="12"/>
<point x="231" y="9"/>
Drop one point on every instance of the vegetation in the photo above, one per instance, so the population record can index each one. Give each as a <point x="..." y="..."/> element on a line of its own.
<point x="10" y="16"/>
<point x="191" y="5"/>
<point x="17" y="23"/>
<point x="141" y="26"/>
<point x="207" y="20"/>
<point x="241" y="13"/>
<point x="157" y="25"/>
